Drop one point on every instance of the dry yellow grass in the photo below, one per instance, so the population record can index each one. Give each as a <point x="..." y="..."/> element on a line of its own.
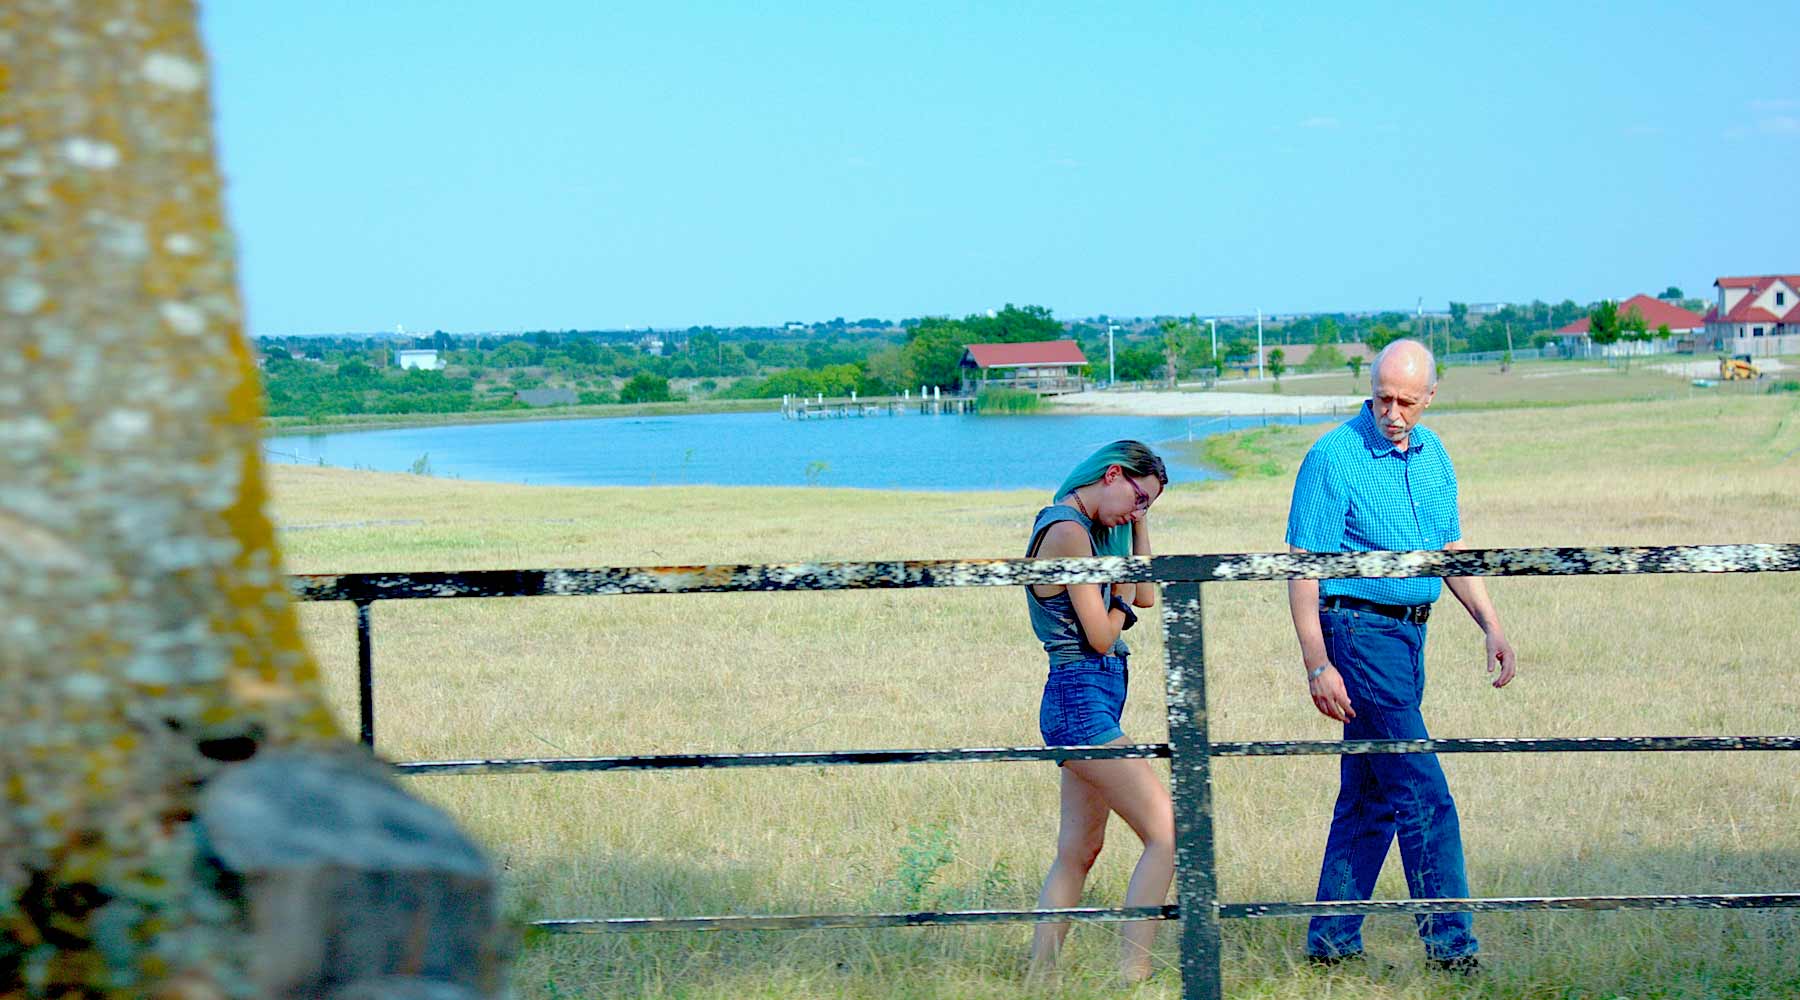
<point x="1601" y="656"/>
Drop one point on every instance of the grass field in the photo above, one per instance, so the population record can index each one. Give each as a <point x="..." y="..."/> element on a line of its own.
<point x="1533" y="384"/>
<point x="1600" y="656"/>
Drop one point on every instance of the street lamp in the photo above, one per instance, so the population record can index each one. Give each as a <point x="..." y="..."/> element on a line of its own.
<point x="1111" y="376"/>
<point x="1215" y="335"/>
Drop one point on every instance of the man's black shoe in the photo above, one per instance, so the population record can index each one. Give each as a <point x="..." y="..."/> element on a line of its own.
<point x="1461" y="965"/>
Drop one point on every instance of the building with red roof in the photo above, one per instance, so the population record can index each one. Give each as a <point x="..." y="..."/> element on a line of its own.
<point x="1685" y="326"/>
<point x="1756" y="315"/>
<point x="1045" y="366"/>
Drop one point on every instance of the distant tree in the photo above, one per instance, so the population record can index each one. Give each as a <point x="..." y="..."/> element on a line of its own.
<point x="1171" y="346"/>
<point x="1013" y="325"/>
<point x="1355" y="364"/>
<point x="1324" y="358"/>
<point x="1137" y="362"/>
<point x="1459" y="313"/>
<point x="1663" y="332"/>
<point x="644" y="388"/>
<point x="356" y="371"/>
<point x="1603" y="323"/>
<point x="1277" y="365"/>
<point x="1380" y="335"/>
<point x="1328" y="330"/>
<point x="1671" y="293"/>
<point x="1633" y="328"/>
<point x="934" y="351"/>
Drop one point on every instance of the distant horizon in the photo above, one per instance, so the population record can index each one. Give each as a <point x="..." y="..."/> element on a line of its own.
<point x="895" y="322"/>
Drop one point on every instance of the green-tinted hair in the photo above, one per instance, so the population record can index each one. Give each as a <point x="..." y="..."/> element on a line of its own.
<point x="1136" y="458"/>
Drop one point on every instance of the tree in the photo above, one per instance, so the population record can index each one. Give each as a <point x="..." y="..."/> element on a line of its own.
<point x="1171" y="345"/>
<point x="645" y="388"/>
<point x="1459" y="313"/>
<point x="1013" y="325"/>
<point x="1380" y="335"/>
<point x="1603" y="323"/>
<point x="934" y="351"/>
<point x="1355" y="364"/>
<point x="1323" y="358"/>
<point x="1277" y="365"/>
<point x="1633" y="328"/>
<point x="1671" y="293"/>
<point x="704" y="348"/>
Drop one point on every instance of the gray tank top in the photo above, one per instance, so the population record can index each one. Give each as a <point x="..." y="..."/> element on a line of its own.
<point x="1053" y="618"/>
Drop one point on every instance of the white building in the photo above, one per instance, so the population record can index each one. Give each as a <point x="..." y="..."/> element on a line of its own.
<point x="1756" y="315"/>
<point x="426" y="360"/>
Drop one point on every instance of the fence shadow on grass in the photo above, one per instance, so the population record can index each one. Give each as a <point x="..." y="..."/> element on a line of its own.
<point x="1750" y="954"/>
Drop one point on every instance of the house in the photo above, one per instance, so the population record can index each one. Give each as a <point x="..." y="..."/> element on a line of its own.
<point x="1757" y="315"/>
<point x="1684" y="326"/>
<point x="426" y="360"/>
<point x="1045" y="367"/>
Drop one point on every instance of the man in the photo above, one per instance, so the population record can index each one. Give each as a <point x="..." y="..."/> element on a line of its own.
<point x="1380" y="481"/>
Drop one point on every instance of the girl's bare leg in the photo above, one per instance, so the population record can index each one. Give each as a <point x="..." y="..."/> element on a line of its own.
<point x="1132" y="789"/>
<point x="1081" y="830"/>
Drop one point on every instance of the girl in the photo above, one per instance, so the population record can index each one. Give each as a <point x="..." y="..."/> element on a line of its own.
<point x="1102" y="509"/>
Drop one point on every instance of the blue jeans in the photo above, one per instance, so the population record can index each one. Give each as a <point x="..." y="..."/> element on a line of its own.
<point x="1381" y="796"/>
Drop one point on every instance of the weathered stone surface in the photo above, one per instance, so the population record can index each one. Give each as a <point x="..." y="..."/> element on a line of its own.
<point x="349" y="881"/>
<point x="146" y="638"/>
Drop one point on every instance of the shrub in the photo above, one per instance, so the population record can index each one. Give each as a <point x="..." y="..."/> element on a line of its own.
<point x="645" y="388"/>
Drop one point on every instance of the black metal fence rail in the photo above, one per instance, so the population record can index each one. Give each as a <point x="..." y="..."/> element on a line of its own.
<point x="1190" y="750"/>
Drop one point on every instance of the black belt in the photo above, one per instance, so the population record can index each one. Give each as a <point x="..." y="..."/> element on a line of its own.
<point x="1418" y="614"/>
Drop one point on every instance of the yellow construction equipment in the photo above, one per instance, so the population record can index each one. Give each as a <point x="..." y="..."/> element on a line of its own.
<point x="1737" y="368"/>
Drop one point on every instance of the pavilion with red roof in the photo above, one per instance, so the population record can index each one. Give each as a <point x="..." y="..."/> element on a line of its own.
<point x="1684" y="325"/>
<point x="1045" y="367"/>
<point x="1756" y="315"/>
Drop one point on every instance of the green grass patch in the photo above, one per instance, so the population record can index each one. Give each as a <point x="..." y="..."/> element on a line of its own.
<point x="1264" y="452"/>
<point x="1008" y="401"/>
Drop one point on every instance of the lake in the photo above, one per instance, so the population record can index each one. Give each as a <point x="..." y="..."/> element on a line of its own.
<point x="908" y="452"/>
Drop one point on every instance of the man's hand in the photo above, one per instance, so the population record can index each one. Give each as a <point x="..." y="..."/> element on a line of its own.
<point x="1500" y="654"/>
<point x="1329" y="696"/>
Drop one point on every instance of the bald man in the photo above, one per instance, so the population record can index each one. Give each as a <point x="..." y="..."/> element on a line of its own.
<point x="1381" y="481"/>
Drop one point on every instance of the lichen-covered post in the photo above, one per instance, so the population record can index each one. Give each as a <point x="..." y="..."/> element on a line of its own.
<point x="146" y="638"/>
<point x="1197" y="884"/>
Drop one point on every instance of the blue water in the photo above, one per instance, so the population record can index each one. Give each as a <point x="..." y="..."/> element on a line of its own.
<point x="911" y="452"/>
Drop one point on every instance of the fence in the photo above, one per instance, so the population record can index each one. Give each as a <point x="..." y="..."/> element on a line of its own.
<point x="1189" y="748"/>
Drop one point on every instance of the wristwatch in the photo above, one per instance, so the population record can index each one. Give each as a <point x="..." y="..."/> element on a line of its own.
<point x="1130" y="615"/>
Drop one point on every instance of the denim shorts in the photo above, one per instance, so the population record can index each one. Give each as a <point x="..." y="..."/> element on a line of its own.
<point x="1083" y="700"/>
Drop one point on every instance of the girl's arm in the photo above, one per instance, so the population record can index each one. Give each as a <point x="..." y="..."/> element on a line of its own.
<point x="1145" y="595"/>
<point x="1100" y="624"/>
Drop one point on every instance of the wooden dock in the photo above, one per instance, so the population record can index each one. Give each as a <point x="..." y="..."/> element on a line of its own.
<point x="820" y="408"/>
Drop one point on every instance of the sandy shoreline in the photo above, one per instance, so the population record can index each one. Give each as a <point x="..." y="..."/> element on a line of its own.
<point x="1199" y="404"/>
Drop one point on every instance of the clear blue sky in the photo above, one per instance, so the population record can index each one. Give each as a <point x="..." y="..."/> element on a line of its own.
<point x="497" y="166"/>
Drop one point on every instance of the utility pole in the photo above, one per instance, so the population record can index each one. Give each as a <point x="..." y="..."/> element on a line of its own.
<point x="1215" y="335"/>
<point x="1259" y="363"/>
<point x="1111" y="376"/>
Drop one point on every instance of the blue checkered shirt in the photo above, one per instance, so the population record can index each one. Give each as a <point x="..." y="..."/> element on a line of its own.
<point x="1356" y="493"/>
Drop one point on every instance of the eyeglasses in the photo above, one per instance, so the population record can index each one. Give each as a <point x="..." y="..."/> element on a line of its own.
<point x="1143" y="499"/>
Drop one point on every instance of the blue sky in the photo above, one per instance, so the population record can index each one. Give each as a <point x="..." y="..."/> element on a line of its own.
<point x="486" y="166"/>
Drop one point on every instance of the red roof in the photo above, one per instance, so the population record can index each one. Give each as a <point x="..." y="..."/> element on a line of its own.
<point x="1043" y="352"/>
<point x="1656" y="313"/>
<point x="1746" y="312"/>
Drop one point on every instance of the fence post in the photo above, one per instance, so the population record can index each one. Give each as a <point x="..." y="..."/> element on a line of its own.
<point x="365" y="673"/>
<point x="1197" y="884"/>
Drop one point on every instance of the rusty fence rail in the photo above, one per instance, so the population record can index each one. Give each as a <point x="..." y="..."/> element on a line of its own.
<point x="1190" y="749"/>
